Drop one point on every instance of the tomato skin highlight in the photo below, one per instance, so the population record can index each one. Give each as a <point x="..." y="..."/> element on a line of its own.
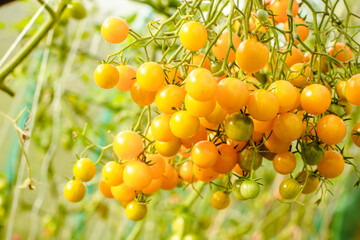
<point x="136" y="211"/>
<point x="74" y="191"/>
<point x="84" y="170"/>
<point x="315" y="99"/>
<point x="114" y="30"/>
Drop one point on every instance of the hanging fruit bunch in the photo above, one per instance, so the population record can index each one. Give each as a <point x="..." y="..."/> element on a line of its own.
<point x="225" y="90"/>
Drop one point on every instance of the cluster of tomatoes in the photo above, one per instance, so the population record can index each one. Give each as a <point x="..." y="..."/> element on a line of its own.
<point x="211" y="124"/>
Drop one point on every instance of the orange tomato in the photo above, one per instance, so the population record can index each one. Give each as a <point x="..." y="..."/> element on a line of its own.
<point x="232" y="94"/>
<point x="123" y="193"/>
<point x="183" y="125"/>
<point x="286" y="95"/>
<point x="217" y="116"/>
<point x="315" y="99"/>
<point x="262" y="105"/>
<point x="140" y="96"/>
<point x="201" y="84"/>
<point x="170" y="178"/>
<point x="150" y="76"/>
<point x="279" y="9"/>
<point x="300" y="76"/>
<point x="114" y="30"/>
<point x="169" y="97"/>
<point x="227" y="159"/>
<point x="193" y="35"/>
<point x="340" y="89"/>
<point x="293" y="57"/>
<point x="205" y="174"/>
<point x="332" y="165"/>
<point x="112" y="173"/>
<point x="156" y="164"/>
<point x="127" y="145"/>
<point x="251" y="83"/>
<point x="355" y="134"/>
<point x="196" y="60"/>
<point x="352" y="90"/>
<point x="341" y="52"/>
<point x="160" y="128"/>
<point x="204" y="154"/>
<point x="284" y="162"/>
<point x="221" y="46"/>
<point x="263" y="126"/>
<point x="106" y="76"/>
<point x="127" y="77"/>
<point x="252" y="56"/>
<point x="105" y="189"/>
<point x="301" y="28"/>
<point x="288" y="127"/>
<point x="153" y="187"/>
<point x="186" y="172"/>
<point x="200" y="135"/>
<point x="331" y="129"/>
<point x="137" y="175"/>
<point x="276" y="145"/>
<point x="168" y="149"/>
<point x="199" y="109"/>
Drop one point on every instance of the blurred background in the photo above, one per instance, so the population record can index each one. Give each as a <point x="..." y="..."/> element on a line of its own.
<point x="55" y="82"/>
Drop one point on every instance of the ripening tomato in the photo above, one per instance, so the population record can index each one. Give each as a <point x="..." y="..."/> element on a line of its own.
<point x="128" y="144"/>
<point x="279" y="9"/>
<point x="186" y="172"/>
<point x="153" y="187"/>
<point x="170" y="178"/>
<point x="114" y="30"/>
<point x="302" y="29"/>
<point x="127" y="77"/>
<point x="183" y="124"/>
<point x="352" y="90"/>
<point x="315" y="99"/>
<point x="204" y="174"/>
<point x="288" y="126"/>
<point x="341" y="52"/>
<point x="232" y="94"/>
<point x="227" y="159"/>
<point x="262" y="105"/>
<point x="106" y="76"/>
<point x="340" y="89"/>
<point x="199" y="109"/>
<point x="196" y="60"/>
<point x="331" y="129"/>
<point x="160" y="128"/>
<point x="168" y="149"/>
<point x="236" y="189"/>
<point x="284" y="162"/>
<point x="193" y="36"/>
<point x="220" y="200"/>
<point x="289" y="188"/>
<point x="300" y="75"/>
<point x="123" y="193"/>
<point x="201" y="84"/>
<point x="266" y="153"/>
<point x="249" y="159"/>
<point x="263" y="126"/>
<point x="156" y="164"/>
<point x="105" y="189"/>
<point x="274" y="144"/>
<point x="355" y="134"/>
<point x="112" y="173"/>
<point x="312" y="153"/>
<point x="136" y="211"/>
<point x="200" y="135"/>
<point x="293" y="57"/>
<point x="221" y="46"/>
<point x="150" y="76"/>
<point x="286" y="95"/>
<point x="137" y="175"/>
<point x="239" y="127"/>
<point x="168" y="98"/>
<point x="84" y="170"/>
<point x="252" y="56"/>
<point x="204" y="154"/>
<point x="311" y="184"/>
<point x="74" y="191"/>
<point x="217" y="116"/>
<point x="140" y="96"/>
<point x="332" y="165"/>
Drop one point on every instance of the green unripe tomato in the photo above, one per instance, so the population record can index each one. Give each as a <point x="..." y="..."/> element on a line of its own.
<point x="289" y="188"/>
<point x="239" y="127"/>
<point x="248" y="157"/>
<point x="250" y="189"/>
<point x="313" y="153"/>
<point x="77" y="10"/>
<point x="236" y="189"/>
<point x="262" y="15"/>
